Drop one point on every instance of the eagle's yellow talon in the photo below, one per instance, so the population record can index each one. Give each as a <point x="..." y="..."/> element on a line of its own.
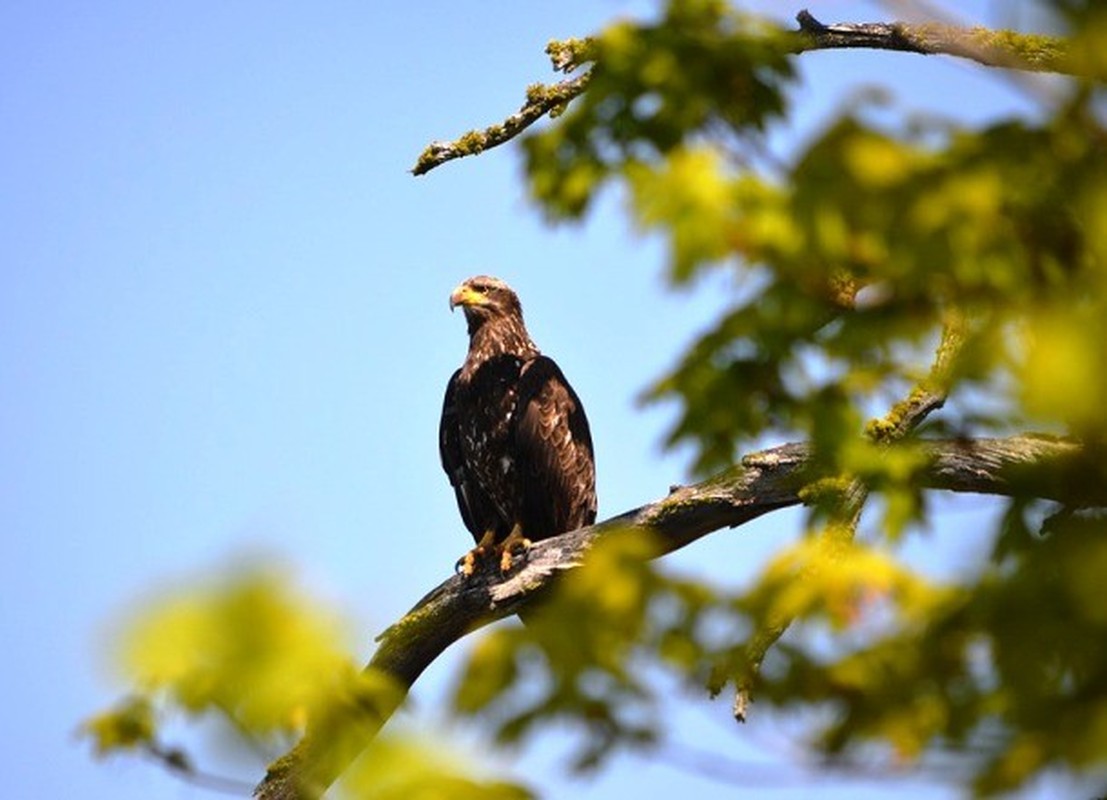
<point x="467" y="564"/>
<point x="510" y="547"/>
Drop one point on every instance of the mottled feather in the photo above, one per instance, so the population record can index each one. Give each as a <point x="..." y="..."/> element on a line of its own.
<point x="514" y="439"/>
<point x="554" y="452"/>
<point x="477" y="511"/>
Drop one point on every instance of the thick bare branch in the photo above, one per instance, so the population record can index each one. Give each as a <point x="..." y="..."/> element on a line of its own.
<point x="1030" y="465"/>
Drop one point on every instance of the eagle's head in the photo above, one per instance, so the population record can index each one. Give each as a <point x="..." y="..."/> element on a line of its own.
<point x="486" y="299"/>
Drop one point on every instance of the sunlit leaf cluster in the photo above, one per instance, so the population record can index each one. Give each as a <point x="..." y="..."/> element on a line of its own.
<point x="1005" y="676"/>
<point x="849" y="252"/>
<point x="859" y="254"/>
<point x="857" y="258"/>
<point x="129" y="725"/>
<point x="249" y="648"/>
<point x="998" y="677"/>
<point x="849" y="256"/>
<point x="599" y="673"/>
<point x="702" y="65"/>
<point x="525" y="677"/>
<point x="261" y="659"/>
<point x="407" y="768"/>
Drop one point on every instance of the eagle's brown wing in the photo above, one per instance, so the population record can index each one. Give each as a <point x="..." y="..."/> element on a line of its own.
<point x="477" y="510"/>
<point x="553" y="446"/>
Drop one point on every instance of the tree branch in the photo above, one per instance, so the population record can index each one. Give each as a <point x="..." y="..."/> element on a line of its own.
<point x="991" y="48"/>
<point x="1028" y="465"/>
<point x="905" y="416"/>
<point x="541" y="100"/>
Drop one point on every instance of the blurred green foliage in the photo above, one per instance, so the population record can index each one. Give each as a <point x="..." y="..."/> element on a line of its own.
<point x="395" y="768"/>
<point x="849" y="256"/>
<point x="250" y="650"/>
<point x="248" y="647"/>
<point x="854" y="246"/>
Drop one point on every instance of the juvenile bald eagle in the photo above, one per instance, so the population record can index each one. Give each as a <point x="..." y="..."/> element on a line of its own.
<point x="514" y="440"/>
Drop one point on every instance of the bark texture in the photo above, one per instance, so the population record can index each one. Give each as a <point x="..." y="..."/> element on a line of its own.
<point x="1027" y="465"/>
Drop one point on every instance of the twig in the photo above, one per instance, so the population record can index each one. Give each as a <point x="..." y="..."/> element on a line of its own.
<point x="541" y="100"/>
<point x="176" y="762"/>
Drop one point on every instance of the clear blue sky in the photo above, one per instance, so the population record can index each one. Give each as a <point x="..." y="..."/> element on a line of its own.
<point x="224" y="331"/>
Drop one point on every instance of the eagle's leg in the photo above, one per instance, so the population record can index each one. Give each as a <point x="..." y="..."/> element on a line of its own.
<point x="515" y="541"/>
<point x="468" y="562"/>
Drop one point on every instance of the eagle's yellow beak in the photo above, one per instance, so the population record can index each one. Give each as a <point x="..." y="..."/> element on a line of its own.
<point x="465" y="295"/>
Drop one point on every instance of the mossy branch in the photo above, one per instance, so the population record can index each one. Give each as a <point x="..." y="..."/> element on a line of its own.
<point x="541" y="100"/>
<point x="1028" y="465"/>
<point x="989" y="47"/>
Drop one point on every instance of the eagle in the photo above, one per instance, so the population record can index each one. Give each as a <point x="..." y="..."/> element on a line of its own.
<point x="513" y="438"/>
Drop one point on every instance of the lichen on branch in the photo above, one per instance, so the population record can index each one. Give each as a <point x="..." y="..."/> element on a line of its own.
<point x="763" y="482"/>
<point x="541" y="100"/>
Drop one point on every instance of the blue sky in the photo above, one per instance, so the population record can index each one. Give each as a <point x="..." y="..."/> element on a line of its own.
<point x="224" y="331"/>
